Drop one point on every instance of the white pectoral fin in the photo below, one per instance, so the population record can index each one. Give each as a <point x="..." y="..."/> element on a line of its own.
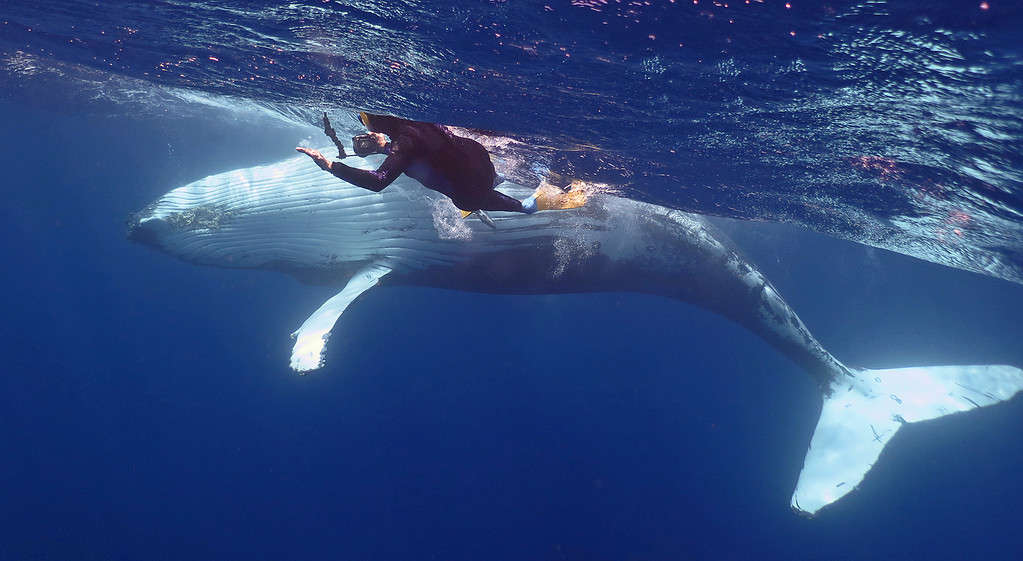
<point x="312" y="336"/>
<point x="859" y="417"/>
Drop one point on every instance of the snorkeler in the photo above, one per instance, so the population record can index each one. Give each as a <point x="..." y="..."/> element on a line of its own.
<point x="429" y="153"/>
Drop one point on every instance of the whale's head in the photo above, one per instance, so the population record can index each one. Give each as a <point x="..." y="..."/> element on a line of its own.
<point x="288" y="214"/>
<point x="291" y="215"/>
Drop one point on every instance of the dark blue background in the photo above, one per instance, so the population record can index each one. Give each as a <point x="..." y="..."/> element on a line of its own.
<point x="147" y="412"/>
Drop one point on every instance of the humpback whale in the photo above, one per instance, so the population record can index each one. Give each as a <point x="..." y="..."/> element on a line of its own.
<point x="291" y="217"/>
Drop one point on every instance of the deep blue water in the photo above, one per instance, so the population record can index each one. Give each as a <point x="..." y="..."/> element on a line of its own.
<point x="147" y="408"/>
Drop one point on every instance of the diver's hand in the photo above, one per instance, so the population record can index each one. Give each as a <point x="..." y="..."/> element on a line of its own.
<point x="320" y="159"/>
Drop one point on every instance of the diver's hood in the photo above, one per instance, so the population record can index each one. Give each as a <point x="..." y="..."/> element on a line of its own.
<point x="384" y="124"/>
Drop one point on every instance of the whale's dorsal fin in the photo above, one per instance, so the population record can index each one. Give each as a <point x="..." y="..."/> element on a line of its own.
<point x="310" y="339"/>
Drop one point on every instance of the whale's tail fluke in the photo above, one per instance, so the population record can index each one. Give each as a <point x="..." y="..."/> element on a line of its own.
<point x="864" y="411"/>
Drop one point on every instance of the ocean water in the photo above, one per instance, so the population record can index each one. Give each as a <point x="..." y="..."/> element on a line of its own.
<point x="147" y="408"/>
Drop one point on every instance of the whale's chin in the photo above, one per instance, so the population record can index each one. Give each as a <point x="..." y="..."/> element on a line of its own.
<point x="147" y="230"/>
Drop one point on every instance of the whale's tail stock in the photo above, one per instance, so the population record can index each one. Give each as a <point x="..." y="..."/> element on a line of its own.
<point x="863" y="409"/>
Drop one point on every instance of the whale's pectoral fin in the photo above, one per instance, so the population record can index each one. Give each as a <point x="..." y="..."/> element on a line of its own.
<point x="312" y="336"/>
<point x="863" y="412"/>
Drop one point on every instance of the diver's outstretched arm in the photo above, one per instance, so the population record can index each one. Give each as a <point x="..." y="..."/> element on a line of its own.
<point x="393" y="166"/>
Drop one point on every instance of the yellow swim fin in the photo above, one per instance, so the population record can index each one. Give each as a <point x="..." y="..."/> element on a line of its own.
<point x="465" y="213"/>
<point x="552" y="198"/>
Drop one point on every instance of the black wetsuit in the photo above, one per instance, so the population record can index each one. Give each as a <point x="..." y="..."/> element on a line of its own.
<point x="453" y="165"/>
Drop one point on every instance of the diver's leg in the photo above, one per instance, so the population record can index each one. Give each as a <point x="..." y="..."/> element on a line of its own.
<point x="549" y="198"/>
<point x="496" y="200"/>
<point x="545" y="198"/>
